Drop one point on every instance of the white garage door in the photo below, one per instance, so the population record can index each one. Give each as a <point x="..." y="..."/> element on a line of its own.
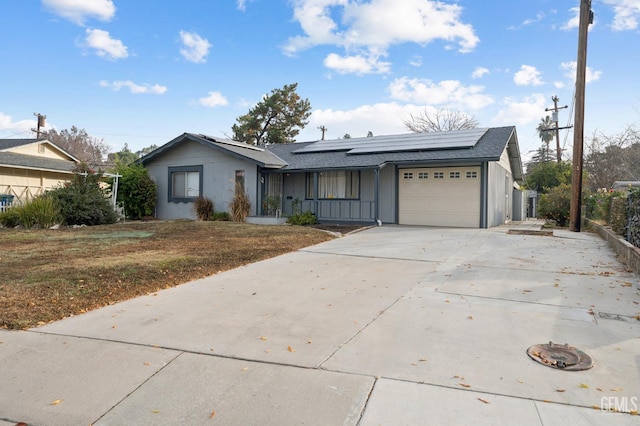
<point x="448" y="196"/>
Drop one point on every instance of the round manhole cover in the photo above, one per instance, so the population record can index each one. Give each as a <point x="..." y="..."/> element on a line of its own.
<point x="562" y="357"/>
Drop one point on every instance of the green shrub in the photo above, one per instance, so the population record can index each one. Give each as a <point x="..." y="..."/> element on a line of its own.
<point x="270" y="204"/>
<point x="618" y="214"/>
<point x="203" y="208"/>
<point x="221" y="216"/>
<point x="42" y="211"/>
<point x="556" y="204"/>
<point x="10" y="217"/>
<point x="137" y="193"/>
<point x="306" y="218"/>
<point x="82" y="201"/>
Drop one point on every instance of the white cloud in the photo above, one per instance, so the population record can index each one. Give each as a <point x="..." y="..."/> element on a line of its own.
<point x="572" y="67"/>
<point x="213" y="100"/>
<point x="539" y="17"/>
<point x="446" y="92"/>
<point x="361" y="28"/>
<point x="574" y="21"/>
<point x="104" y="45"/>
<point x="7" y="124"/>
<point x="627" y="14"/>
<point x="479" y="72"/>
<point x="381" y="119"/>
<point x="356" y="64"/>
<point x="242" y="4"/>
<point x="415" y="61"/>
<point x="519" y="112"/>
<point x="134" y="88"/>
<point x="78" y="11"/>
<point x="194" y="48"/>
<point x="559" y="84"/>
<point x="528" y="76"/>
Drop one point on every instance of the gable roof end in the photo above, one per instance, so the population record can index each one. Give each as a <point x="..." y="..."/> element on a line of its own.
<point x="240" y="150"/>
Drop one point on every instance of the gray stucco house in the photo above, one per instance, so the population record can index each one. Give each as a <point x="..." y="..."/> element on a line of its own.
<point x="459" y="178"/>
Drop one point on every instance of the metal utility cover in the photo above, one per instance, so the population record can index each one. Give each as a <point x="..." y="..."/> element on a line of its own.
<point x="561" y="357"/>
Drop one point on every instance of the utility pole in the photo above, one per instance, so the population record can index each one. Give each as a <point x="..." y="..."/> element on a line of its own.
<point x="586" y="18"/>
<point x="555" y="109"/>
<point x="41" y="123"/>
<point x="323" y="130"/>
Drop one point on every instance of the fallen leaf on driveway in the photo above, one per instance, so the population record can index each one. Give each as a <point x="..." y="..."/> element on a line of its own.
<point x="464" y="385"/>
<point x="290" y="349"/>
<point x="422" y="359"/>
<point x="245" y="369"/>
<point x="56" y="402"/>
<point x="560" y="390"/>
<point x="212" y="415"/>
<point x="583" y="386"/>
<point x="483" y="400"/>
<point x="470" y="317"/>
<point x="616" y="389"/>
<point x="263" y="338"/>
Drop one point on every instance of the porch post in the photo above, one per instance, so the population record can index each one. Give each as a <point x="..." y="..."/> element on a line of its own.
<point x="376" y="191"/>
<point x="315" y="193"/>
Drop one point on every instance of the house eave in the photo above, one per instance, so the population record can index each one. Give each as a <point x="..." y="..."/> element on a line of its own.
<point x="41" y="169"/>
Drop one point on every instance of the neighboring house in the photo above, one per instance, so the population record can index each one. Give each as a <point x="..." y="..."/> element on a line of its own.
<point x="29" y="167"/>
<point x="458" y="178"/>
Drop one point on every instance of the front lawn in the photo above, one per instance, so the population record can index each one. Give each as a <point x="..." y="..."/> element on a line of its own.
<point x="47" y="275"/>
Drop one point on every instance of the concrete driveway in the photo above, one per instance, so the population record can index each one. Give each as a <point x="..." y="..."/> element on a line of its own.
<point x="393" y="326"/>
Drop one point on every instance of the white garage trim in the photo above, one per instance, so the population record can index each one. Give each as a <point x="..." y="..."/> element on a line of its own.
<point x="439" y="196"/>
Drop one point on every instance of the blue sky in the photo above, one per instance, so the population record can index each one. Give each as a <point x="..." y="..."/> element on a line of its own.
<point x="142" y="72"/>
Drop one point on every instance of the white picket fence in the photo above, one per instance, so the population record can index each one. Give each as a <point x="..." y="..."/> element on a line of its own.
<point x="4" y="205"/>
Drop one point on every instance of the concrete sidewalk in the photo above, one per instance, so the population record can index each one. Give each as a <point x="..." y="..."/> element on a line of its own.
<point x="392" y="325"/>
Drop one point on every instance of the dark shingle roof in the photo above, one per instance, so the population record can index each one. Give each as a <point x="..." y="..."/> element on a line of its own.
<point x="489" y="147"/>
<point x="11" y="159"/>
<point x="12" y="143"/>
<point x="260" y="156"/>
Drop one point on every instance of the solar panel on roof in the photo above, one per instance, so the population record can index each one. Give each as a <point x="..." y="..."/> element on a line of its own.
<point x="232" y="143"/>
<point x="396" y="143"/>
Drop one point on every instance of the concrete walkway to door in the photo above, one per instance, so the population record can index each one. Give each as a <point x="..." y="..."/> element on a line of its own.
<point x="391" y="325"/>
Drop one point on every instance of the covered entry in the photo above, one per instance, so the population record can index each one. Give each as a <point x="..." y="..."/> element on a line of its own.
<point x="444" y="196"/>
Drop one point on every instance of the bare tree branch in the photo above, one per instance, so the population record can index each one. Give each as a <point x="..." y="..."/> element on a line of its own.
<point x="442" y="120"/>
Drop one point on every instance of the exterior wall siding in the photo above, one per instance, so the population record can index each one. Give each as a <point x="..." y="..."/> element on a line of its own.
<point x="218" y="180"/>
<point x="500" y="193"/>
<point x="388" y="195"/>
<point x="25" y="184"/>
<point x="34" y="150"/>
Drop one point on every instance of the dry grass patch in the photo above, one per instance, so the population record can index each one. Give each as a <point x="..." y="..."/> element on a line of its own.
<point x="47" y="275"/>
